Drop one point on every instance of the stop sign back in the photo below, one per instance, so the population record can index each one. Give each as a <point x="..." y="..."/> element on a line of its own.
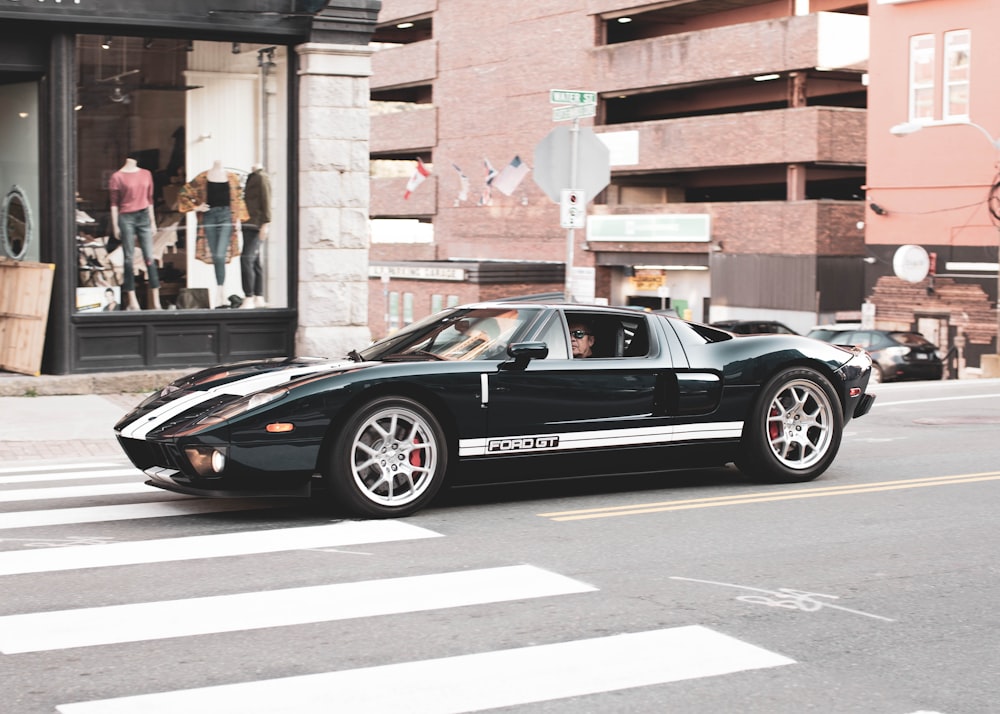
<point x="554" y="161"/>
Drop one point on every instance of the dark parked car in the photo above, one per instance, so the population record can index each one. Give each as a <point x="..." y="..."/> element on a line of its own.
<point x="491" y="392"/>
<point x="897" y="355"/>
<point x="755" y="327"/>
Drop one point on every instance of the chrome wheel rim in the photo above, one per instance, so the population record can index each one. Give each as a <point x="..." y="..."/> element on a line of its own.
<point x="800" y="424"/>
<point x="394" y="456"/>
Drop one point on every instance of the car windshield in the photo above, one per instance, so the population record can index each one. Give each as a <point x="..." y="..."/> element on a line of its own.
<point x="910" y="338"/>
<point x="824" y="334"/>
<point x="461" y="334"/>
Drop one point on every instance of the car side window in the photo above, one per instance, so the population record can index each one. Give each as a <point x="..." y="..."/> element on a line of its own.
<point x="613" y="335"/>
<point x="554" y="335"/>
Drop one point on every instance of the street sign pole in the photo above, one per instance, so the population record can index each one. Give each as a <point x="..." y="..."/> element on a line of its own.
<point x="571" y="232"/>
<point x="587" y="155"/>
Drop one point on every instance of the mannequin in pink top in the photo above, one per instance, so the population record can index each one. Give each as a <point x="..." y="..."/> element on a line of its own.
<point x="133" y="217"/>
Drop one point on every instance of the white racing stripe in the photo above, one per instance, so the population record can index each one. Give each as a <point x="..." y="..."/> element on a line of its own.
<point x="277" y="608"/>
<point x="176" y="506"/>
<point x="70" y="475"/>
<point x="139" y="428"/>
<point x="470" y="682"/>
<point x="99" y="489"/>
<point x="18" y="562"/>
<point x="631" y="436"/>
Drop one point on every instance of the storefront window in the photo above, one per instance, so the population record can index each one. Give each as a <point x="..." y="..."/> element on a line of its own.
<point x="19" y="175"/>
<point x="181" y="174"/>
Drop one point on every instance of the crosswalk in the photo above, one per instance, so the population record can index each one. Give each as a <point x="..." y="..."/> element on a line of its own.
<point x="38" y="499"/>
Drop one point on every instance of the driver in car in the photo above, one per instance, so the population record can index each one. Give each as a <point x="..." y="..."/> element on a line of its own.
<point x="581" y="338"/>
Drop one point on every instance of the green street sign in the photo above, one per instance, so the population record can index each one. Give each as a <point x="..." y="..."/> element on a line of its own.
<point x="571" y="96"/>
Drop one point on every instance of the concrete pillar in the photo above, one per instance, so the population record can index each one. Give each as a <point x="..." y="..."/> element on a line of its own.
<point x="333" y="199"/>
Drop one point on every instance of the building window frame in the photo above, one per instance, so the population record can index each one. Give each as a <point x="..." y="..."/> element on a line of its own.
<point x="956" y="75"/>
<point x="922" y="76"/>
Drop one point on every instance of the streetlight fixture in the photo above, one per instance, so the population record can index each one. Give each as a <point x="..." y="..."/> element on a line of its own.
<point x="912" y="127"/>
<point x="909" y="127"/>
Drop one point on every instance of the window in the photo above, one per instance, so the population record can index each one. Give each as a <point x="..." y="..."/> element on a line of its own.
<point x="922" y="78"/>
<point x="157" y="120"/>
<point x="393" y="311"/>
<point x="407" y="308"/>
<point x="956" y="74"/>
<point x="437" y="304"/>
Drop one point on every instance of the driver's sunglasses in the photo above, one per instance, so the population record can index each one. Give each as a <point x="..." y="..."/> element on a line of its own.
<point x="578" y="334"/>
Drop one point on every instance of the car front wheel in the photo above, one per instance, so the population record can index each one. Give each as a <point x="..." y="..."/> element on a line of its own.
<point x="795" y="429"/>
<point x="389" y="459"/>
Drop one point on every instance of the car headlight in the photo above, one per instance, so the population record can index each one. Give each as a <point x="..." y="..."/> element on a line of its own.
<point x="241" y="406"/>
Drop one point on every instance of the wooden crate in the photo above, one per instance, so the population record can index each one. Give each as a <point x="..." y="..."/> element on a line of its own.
<point x="25" y="291"/>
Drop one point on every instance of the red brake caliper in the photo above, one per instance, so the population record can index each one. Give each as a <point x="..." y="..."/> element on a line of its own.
<point x="774" y="428"/>
<point x="416" y="458"/>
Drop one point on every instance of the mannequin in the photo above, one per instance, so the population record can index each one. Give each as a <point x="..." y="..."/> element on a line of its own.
<point x="134" y="217"/>
<point x="257" y="195"/>
<point x="217" y="198"/>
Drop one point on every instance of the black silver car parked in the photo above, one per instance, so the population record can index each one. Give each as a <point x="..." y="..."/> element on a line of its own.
<point x="897" y="355"/>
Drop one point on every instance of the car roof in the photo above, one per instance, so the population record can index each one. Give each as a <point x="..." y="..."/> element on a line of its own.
<point x="564" y="306"/>
<point x="839" y="327"/>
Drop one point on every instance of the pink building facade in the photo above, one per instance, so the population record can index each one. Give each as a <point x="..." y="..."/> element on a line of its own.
<point x="933" y="120"/>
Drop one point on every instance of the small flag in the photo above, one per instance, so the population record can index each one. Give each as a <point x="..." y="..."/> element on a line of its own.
<point x="463" y="192"/>
<point x="513" y="173"/>
<point x="486" y="198"/>
<point x="417" y="178"/>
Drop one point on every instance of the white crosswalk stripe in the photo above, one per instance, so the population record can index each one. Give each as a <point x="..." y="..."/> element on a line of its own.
<point x="41" y="476"/>
<point x="475" y="682"/>
<point x="211" y="546"/>
<point x="276" y="608"/>
<point x="58" y="492"/>
<point x="175" y="506"/>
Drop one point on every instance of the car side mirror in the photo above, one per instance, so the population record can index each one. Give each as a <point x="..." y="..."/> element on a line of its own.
<point x="521" y="353"/>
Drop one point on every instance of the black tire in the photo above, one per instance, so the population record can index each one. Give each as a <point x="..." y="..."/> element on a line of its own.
<point x="389" y="460"/>
<point x="877" y="375"/>
<point x="794" y="430"/>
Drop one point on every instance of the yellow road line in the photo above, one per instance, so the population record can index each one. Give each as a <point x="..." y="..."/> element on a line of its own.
<point x="661" y="506"/>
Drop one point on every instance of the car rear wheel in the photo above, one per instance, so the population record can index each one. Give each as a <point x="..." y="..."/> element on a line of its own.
<point x="876" y="377"/>
<point x="388" y="460"/>
<point x="795" y="429"/>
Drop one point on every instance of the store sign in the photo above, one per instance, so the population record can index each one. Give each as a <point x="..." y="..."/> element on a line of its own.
<point x="648" y="281"/>
<point x="650" y="228"/>
<point x="416" y="272"/>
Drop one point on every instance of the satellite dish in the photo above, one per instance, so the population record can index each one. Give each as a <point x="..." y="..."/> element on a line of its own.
<point x="911" y="263"/>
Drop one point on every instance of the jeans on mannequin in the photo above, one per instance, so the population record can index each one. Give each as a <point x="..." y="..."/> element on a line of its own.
<point x="250" y="267"/>
<point x="218" y="224"/>
<point x="132" y="226"/>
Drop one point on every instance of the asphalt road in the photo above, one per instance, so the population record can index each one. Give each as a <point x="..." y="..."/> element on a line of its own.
<point x="871" y="590"/>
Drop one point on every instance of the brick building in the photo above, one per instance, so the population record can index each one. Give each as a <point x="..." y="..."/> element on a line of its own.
<point x="933" y="188"/>
<point x="736" y="140"/>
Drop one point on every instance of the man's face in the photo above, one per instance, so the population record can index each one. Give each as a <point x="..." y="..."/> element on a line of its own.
<point x="581" y="339"/>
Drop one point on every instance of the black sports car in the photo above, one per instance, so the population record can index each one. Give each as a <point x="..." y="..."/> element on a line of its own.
<point x="491" y="391"/>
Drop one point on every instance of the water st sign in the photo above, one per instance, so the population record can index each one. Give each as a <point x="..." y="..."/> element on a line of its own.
<point x="572" y="96"/>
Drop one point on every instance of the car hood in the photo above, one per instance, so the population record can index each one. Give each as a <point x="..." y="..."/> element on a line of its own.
<point x="244" y="378"/>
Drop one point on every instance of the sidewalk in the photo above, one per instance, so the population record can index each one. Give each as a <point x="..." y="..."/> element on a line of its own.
<point x="70" y="416"/>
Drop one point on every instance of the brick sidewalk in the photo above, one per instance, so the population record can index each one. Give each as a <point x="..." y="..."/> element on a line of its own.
<point x="17" y="451"/>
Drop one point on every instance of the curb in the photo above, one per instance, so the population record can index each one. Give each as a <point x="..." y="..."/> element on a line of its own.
<point x="18" y="385"/>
